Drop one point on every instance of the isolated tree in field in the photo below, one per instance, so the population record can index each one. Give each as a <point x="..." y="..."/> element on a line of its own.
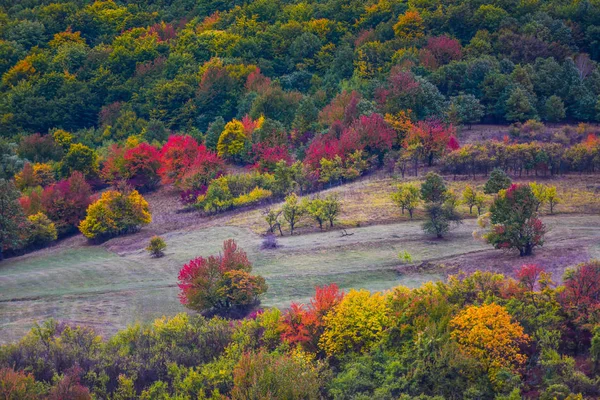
<point x="539" y="191"/>
<point x="439" y="217"/>
<point x="498" y="180"/>
<point x="552" y="198"/>
<point x="514" y="221"/>
<point x="407" y="197"/>
<point x="272" y="218"/>
<point x="440" y="206"/>
<point x="316" y="209"/>
<point x="222" y="283"/>
<point x="12" y="219"/>
<point x="156" y="247"/>
<point x="332" y="208"/>
<point x="471" y="198"/>
<point x="293" y="209"/>
<point x="115" y="213"/>
<point x="480" y="202"/>
<point x="433" y="189"/>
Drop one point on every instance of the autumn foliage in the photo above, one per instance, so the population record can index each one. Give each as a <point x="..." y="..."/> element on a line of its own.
<point x="488" y="334"/>
<point x="221" y="283"/>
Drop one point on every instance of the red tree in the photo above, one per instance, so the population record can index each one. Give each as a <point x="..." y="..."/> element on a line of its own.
<point x="142" y="164"/>
<point x="176" y="156"/>
<point x="374" y="133"/>
<point x="433" y="137"/>
<point x="266" y="157"/>
<point x="66" y="202"/>
<point x="528" y="276"/>
<point x="581" y="297"/>
<point x="305" y="324"/>
<point x="444" y="49"/>
<point x="206" y="166"/>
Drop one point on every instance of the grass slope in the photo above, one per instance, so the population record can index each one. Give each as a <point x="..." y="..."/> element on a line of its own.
<point x="94" y="286"/>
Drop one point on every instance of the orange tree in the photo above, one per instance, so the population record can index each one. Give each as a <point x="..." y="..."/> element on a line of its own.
<point x="487" y="334"/>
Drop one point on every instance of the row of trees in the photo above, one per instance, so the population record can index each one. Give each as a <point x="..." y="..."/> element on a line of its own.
<point x="532" y="158"/>
<point x="484" y="335"/>
<point x="294" y="210"/>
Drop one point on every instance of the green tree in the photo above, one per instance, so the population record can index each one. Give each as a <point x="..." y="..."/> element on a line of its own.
<point x="407" y="196"/>
<point x="514" y="221"/>
<point x="433" y="189"/>
<point x="498" y="180"/>
<point x="465" y="109"/>
<point x="12" y="220"/>
<point x="156" y="247"/>
<point x="554" y="109"/>
<point x="316" y="209"/>
<point x="293" y="209"/>
<point x="519" y="106"/>
<point x="40" y="230"/>
<point x="80" y="158"/>
<point x="469" y="196"/>
<point x="332" y="208"/>
<point x="213" y="133"/>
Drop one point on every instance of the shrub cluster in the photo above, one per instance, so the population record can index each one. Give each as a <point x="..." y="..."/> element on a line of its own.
<point x="484" y="334"/>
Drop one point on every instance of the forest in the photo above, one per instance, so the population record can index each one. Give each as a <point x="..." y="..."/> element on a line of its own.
<point x="212" y="169"/>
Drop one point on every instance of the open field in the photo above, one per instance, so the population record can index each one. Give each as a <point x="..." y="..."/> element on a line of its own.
<point x="96" y="286"/>
<point x="368" y="200"/>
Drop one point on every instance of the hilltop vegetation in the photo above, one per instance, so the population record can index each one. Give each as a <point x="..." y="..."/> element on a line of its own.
<point x="147" y="126"/>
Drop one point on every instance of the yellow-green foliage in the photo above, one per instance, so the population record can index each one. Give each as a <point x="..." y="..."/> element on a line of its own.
<point x="255" y="196"/>
<point x="231" y="142"/>
<point x="115" y="213"/>
<point x="356" y="324"/>
<point x="40" y="230"/>
<point x="156" y="247"/>
<point x="407" y="197"/>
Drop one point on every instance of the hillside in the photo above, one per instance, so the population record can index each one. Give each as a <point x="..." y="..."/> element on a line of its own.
<point x="299" y="199"/>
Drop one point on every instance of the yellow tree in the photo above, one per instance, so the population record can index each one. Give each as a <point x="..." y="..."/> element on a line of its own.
<point x="357" y="323"/>
<point x="409" y="25"/>
<point x="232" y="140"/>
<point x="487" y="334"/>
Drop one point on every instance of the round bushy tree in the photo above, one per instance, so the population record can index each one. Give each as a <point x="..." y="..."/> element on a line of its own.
<point x="515" y="222"/>
<point x="115" y="213"/>
<point x="220" y="284"/>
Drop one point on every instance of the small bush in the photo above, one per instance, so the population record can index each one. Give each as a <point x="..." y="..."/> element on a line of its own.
<point x="156" y="247"/>
<point x="405" y="256"/>
<point x="270" y="242"/>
